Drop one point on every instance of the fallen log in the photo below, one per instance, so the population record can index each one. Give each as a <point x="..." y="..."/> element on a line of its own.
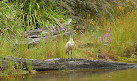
<point x="61" y="64"/>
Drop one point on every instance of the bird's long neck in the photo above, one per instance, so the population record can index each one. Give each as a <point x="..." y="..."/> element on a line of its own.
<point x="71" y="36"/>
<point x="71" y="39"/>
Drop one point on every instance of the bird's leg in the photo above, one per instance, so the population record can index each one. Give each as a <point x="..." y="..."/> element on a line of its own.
<point x="68" y="55"/>
<point x="71" y="54"/>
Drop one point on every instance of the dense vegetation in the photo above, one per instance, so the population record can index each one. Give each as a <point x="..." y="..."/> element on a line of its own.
<point x="94" y="22"/>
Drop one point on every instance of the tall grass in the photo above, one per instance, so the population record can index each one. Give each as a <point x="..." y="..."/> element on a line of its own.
<point x="120" y="42"/>
<point x="9" y="22"/>
<point x="123" y="34"/>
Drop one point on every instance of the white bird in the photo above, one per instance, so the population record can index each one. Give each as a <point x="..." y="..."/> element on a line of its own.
<point x="69" y="45"/>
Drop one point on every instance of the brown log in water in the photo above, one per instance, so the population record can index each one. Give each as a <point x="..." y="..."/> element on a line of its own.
<point x="61" y="64"/>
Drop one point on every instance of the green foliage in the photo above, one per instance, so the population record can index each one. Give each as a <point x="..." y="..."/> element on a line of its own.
<point x="18" y="16"/>
<point x="83" y="7"/>
<point x="9" y="21"/>
<point x="83" y="10"/>
<point x="41" y="13"/>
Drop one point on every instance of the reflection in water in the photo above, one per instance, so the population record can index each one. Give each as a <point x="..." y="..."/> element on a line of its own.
<point x="80" y="75"/>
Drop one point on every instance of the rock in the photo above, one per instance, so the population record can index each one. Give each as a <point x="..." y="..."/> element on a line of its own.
<point x="35" y="36"/>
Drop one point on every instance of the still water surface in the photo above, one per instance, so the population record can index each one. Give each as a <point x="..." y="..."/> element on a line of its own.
<point x="79" y="75"/>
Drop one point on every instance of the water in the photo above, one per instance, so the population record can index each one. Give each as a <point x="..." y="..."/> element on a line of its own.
<point x="79" y="75"/>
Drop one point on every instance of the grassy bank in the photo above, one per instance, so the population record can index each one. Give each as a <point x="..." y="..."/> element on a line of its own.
<point x="120" y="42"/>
